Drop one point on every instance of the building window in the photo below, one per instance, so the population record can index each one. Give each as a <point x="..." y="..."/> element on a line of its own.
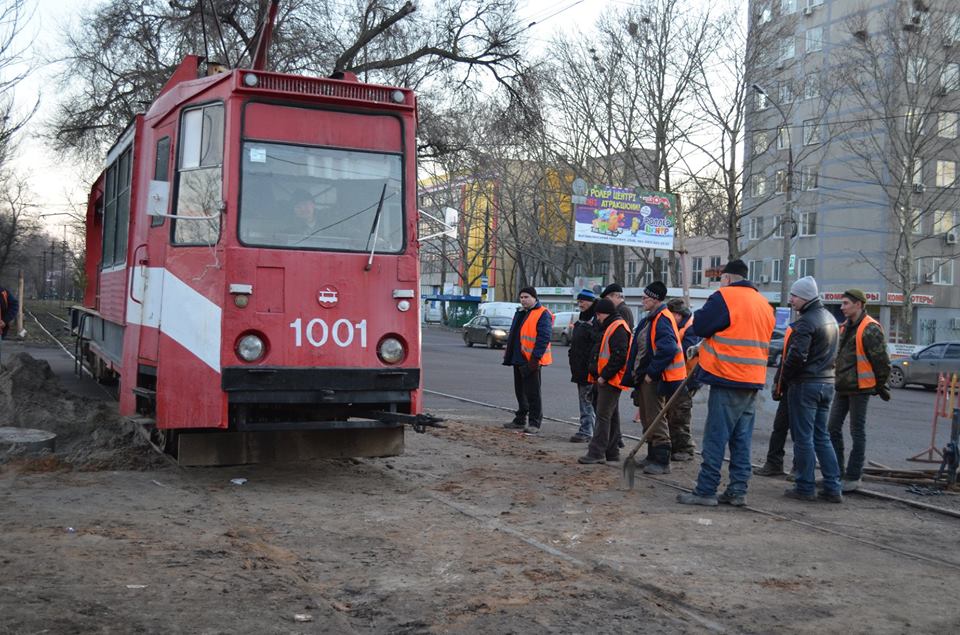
<point x="809" y="176"/>
<point x="781" y="179"/>
<point x="758" y="185"/>
<point x="715" y="265"/>
<point x="950" y="77"/>
<point x="754" y="270"/>
<point x="787" y="6"/>
<point x="942" y="271"/>
<point x="807" y="267"/>
<point x="787" y="49"/>
<point x="778" y="226"/>
<point x="945" y="221"/>
<point x="811" y="87"/>
<point x="764" y="14"/>
<point x="632" y="267"/>
<point x="761" y="101"/>
<point x="811" y="132"/>
<point x="916" y="221"/>
<point x="808" y="223"/>
<point x="775" y="271"/>
<point x="696" y="271"/>
<point x="917" y="171"/>
<point x="813" y="39"/>
<point x="946" y="173"/>
<point x="760" y="142"/>
<point x="916" y="70"/>
<point x="783" y="138"/>
<point x="947" y="125"/>
<point x="786" y="92"/>
<point x="755" y="228"/>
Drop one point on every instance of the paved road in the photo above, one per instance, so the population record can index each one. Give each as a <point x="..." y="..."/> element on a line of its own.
<point x="896" y="429"/>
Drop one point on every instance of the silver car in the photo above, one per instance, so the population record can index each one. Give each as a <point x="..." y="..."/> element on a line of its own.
<point x="562" y="326"/>
<point x="925" y="365"/>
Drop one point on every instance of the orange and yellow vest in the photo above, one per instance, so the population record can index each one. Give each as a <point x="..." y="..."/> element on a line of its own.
<point x="865" y="376"/>
<point x="738" y="353"/>
<point x="677" y="370"/>
<point x="528" y="336"/>
<point x="783" y="357"/>
<point x="616" y="380"/>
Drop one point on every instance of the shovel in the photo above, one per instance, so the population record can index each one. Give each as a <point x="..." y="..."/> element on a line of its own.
<point x="629" y="466"/>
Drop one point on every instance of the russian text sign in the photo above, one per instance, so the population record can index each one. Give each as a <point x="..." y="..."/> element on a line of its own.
<point x="625" y="217"/>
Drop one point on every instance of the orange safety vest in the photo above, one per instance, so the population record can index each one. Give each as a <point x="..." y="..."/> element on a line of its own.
<point x="783" y="357"/>
<point x="528" y="336"/>
<point x="616" y="380"/>
<point x="739" y="352"/>
<point x="692" y="361"/>
<point x="865" y="376"/>
<point x="676" y="371"/>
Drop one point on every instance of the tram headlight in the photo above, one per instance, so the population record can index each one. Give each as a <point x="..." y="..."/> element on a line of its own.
<point x="390" y="350"/>
<point x="250" y="348"/>
<point x="397" y="96"/>
<point x="250" y="80"/>
<point x="403" y="306"/>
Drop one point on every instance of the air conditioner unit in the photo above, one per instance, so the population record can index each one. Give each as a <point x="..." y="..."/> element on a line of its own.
<point x="764" y="279"/>
<point x="955" y="324"/>
<point x="929" y="277"/>
<point x="918" y="188"/>
<point x="950" y="238"/>
<point x="808" y="11"/>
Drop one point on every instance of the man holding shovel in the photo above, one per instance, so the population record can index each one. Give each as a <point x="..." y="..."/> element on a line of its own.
<point x="736" y="323"/>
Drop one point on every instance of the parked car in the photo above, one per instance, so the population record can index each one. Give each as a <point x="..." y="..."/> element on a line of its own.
<point x="775" y="352"/>
<point x="498" y="309"/>
<point x="563" y="326"/>
<point x="924" y="366"/>
<point x="492" y="331"/>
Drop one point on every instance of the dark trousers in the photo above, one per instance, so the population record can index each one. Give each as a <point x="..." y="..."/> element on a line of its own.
<point x="606" y="436"/>
<point x="778" y="438"/>
<point x="856" y="405"/>
<point x="679" y="419"/>
<point x="526" y="385"/>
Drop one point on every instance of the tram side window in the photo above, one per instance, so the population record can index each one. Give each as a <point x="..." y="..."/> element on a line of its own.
<point x="200" y="176"/>
<point x="161" y="171"/>
<point x="116" y="211"/>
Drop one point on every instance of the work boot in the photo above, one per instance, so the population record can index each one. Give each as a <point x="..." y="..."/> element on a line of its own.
<point x="737" y="500"/>
<point x="681" y="456"/>
<point x="531" y="429"/>
<point x="830" y="498"/>
<point x="795" y="495"/>
<point x="689" y="498"/>
<point x="579" y="438"/>
<point x="656" y="468"/>
<point x="768" y="469"/>
<point x="516" y="424"/>
<point x="613" y="458"/>
<point x="586" y="459"/>
<point x="848" y="485"/>
<point x="659" y="462"/>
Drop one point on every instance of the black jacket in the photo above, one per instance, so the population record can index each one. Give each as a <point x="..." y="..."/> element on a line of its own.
<point x="582" y="341"/>
<point x="811" y="353"/>
<point x="619" y="345"/>
<point x="8" y="309"/>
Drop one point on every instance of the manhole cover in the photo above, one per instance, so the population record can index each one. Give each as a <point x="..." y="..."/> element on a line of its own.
<point x="29" y="439"/>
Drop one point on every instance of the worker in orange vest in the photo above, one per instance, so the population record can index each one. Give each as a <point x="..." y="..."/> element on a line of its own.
<point x="607" y="368"/>
<point x="528" y="348"/>
<point x="655" y="369"/>
<point x="681" y="442"/>
<point x="736" y="323"/>
<point x="863" y="367"/>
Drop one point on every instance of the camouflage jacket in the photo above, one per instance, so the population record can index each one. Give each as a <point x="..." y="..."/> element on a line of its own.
<point x="875" y="347"/>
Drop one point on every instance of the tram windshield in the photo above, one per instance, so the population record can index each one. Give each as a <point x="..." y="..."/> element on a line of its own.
<point x="321" y="198"/>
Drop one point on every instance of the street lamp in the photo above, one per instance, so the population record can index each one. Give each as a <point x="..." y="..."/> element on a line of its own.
<point x="787" y="223"/>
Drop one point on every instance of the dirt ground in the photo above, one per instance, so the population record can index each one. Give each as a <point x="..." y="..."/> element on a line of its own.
<point x="473" y="529"/>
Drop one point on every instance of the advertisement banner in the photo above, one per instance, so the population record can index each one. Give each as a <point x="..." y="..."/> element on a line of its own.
<point x="624" y="217"/>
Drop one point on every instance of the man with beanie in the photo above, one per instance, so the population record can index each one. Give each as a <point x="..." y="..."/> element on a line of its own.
<point x="607" y="366"/>
<point x="736" y="323"/>
<point x="863" y="368"/>
<point x="583" y="339"/>
<point x="809" y="360"/>
<point x="614" y="293"/>
<point x="680" y="415"/>
<point x="655" y="368"/>
<point x="528" y="348"/>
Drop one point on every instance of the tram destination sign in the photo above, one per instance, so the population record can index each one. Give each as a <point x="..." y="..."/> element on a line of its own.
<point x="623" y="216"/>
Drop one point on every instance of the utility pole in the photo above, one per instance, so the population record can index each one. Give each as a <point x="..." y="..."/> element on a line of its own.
<point x="787" y="222"/>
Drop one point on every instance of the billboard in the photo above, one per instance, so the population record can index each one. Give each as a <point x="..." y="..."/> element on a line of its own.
<point x="623" y="216"/>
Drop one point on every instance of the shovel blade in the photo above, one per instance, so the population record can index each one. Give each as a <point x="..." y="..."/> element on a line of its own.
<point x="629" y="472"/>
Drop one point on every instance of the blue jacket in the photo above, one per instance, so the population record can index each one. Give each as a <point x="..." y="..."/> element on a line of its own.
<point x="512" y="356"/>
<point x="653" y="364"/>
<point x="710" y="319"/>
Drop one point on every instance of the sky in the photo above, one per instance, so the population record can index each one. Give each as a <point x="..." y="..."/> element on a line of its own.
<point x="59" y="187"/>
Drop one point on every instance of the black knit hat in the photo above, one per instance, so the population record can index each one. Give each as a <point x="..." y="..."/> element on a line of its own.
<point x="605" y="306"/>
<point x="737" y="267"/>
<point x="656" y="290"/>
<point x="611" y="288"/>
<point x="529" y="291"/>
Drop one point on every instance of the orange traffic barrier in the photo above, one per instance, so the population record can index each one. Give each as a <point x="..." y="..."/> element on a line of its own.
<point x="947" y="392"/>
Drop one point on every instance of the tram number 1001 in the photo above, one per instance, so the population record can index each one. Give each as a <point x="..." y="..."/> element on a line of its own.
<point x="343" y="332"/>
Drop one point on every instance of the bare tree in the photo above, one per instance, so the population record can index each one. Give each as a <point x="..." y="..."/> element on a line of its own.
<point x="123" y="52"/>
<point x="903" y="79"/>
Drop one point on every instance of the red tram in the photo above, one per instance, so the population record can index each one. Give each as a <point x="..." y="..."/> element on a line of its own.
<point x="252" y="266"/>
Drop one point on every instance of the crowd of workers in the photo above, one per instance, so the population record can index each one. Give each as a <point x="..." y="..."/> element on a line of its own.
<point x="827" y="372"/>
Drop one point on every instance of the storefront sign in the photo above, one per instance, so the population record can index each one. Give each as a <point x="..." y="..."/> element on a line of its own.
<point x="621" y="216"/>
<point x="916" y="298"/>
<point x="899" y="351"/>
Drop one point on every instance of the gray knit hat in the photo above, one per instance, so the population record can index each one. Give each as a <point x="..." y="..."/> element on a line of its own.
<point x="805" y="288"/>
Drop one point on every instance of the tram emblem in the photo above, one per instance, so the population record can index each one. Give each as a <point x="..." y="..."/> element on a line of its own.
<point x="327" y="296"/>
